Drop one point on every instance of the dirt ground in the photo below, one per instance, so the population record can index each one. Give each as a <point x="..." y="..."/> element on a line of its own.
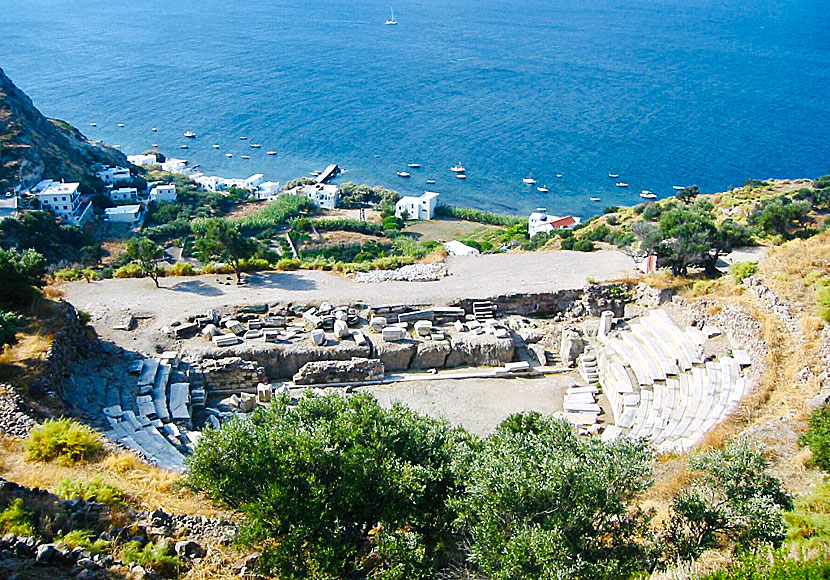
<point x="478" y="405"/>
<point x="446" y="230"/>
<point x="482" y="276"/>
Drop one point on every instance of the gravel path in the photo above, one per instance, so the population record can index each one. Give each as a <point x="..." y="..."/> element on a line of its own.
<point x="483" y="276"/>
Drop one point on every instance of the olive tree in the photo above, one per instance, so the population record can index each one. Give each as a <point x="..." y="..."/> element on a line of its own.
<point x="147" y="254"/>
<point x="542" y="503"/>
<point x="221" y="239"/>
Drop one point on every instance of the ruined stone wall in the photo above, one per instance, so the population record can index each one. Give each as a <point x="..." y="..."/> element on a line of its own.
<point x="70" y="341"/>
<point x="230" y="373"/>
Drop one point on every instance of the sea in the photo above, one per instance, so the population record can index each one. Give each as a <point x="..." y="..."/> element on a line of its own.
<point x="660" y="92"/>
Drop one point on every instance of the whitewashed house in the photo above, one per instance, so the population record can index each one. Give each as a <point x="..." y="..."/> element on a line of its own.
<point x="325" y="195"/>
<point x="64" y="200"/>
<point x="173" y="165"/>
<point x="540" y="221"/>
<point x="143" y="160"/>
<point x="112" y="175"/>
<point x="123" y="194"/>
<point x="210" y="182"/>
<point x="267" y="190"/>
<point x="254" y="181"/>
<point x="163" y="193"/>
<point x="125" y="214"/>
<point x="417" y="208"/>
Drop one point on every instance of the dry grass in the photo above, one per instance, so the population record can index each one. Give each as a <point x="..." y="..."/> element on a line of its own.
<point x="147" y="487"/>
<point x="21" y="363"/>
<point x="216" y="565"/>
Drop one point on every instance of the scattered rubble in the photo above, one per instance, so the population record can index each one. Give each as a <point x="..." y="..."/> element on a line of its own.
<point x="411" y="273"/>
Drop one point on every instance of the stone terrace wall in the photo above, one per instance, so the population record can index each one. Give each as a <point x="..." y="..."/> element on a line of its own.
<point x="68" y="343"/>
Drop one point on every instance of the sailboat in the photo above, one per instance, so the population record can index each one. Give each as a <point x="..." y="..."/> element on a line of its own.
<point x="391" y="21"/>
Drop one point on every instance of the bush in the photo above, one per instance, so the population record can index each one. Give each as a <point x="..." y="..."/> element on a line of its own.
<point x="91" y="490"/>
<point x="157" y="557"/>
<point x="69" y="275"/>
<point x="583" y="246"/>
<point x="15" y="520"/>
<point x="477" y="215"/>
<point x="393" y="223"/>
<point x="775" y="566"/>
<point x="64" y="440"/>
<point x="9" y="325"/>
<point x="21" y="274"/>
<point x="740" y="271"/>
<point x="84" y="539"/>
<point x="817" y="437"/>
<point x="288" y="264"/>
<point x="180" y="269"/>
<point x="129" y="271"/>
<point x="823" y="298"/>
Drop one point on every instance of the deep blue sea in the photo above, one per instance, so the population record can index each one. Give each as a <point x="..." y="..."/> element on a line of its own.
<point x="663" y="92"/>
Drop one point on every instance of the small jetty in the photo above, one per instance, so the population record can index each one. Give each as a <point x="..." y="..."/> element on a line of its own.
<point x="328" y="173"/>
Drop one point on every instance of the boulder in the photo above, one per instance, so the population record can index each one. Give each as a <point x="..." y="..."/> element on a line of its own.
<point x="247" y="402"/>
<point x="341" y="329"/>
<point x="189" y="549"/>
<point x="431" y="354"/>
<point x="537" y="352"/>
<point x="339" y="371"/>
<point x="479" y="350"/>
<point x="571" y="346"/>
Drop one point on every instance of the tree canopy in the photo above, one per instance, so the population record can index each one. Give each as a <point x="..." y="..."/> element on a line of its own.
<point x="221" y="239"/>
<point x="147" y="254"/>
<point x="342" y="486"/>
<point x="21" y="273"/>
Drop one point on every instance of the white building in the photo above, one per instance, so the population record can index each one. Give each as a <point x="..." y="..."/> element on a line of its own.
<point x="126" y="214"/>
<point x="64" y="200"/>
<point x="209" y="182"/>
<point x="325" y="195"/>
<point x="123" y="194"/>
<point x="540" y="221"/>
<point x="456" y="248"/>
<point x="112" y="175"/>
<point x="173" y="165"/>
<point x="163" y="193"/>
<point x="267" y="190"/>
<point x="254" y="181"/>
<point x="417" y="208"/>
<point x="143" y="160"/>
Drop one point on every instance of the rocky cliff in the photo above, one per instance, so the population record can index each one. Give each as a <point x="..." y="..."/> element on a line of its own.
<point x="34" y="147"/>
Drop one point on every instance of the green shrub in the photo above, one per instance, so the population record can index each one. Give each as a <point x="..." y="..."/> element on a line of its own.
<point x="775" y="566"/>
<point x="91" y="490"/>
<point x="157" y="557"/>
<point x="64" y="440"/>
<point x="15" y="520"/>
<point x="129" y="271"/>
<point x="84" y="539"/>
<point x="823" y="298"/>
<point x="69" y="275"/>
<point x="740" y="271"/>
<point x="180" y="269"/>
<point x="583" y="246"/>
<point x="9" y="325"/>
<point x="288" y="264"/>
<point x="477" y="215"/>
<point x="817" y="437"/>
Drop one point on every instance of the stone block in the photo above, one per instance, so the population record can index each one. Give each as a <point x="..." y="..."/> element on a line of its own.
<point x="247" y="402"/>
<point x="312" y="319"/>
<point x="431" y="355"/>
<point x="273" y="322"/>
<point x="186" y="330"/>
<point x="416" y="315"/>
<point x="378" y="323"/>
<point x="318" y="337"/>
<point x="571" y="346"/>
<point x="255" y="324"/>
<point x="460" y="326"/>
<point x="234" y="326"/>
<point x="210" y="331"/>
<point x="423" y="327"/>
<point x="271" y="335"/>
<point x="264" y="392"/>
<point x="226" y="340"/>
<point x="252" y="334"/>
<point x="606" y="320"/>
<point x="393" y="333"/>
<point x="341" y="329"/>
<point x="339" y="371"/>
<point x="438" y="336"/>
<point x="359" y="338"/>
<point x="125" y="323"/>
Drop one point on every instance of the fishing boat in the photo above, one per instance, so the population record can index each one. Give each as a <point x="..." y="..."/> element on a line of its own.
<point x="461" y="176"/>
<point x="256" y="146"/>
<point x="542" y="189"/>
<point x="457" y="168"/>
<point x="190" y="134"/>
<point x="613" y="175"/>
<point x="645" y="191"/>
<point x="678" y="187"/>
<point x="391" y="21"/>
<point x="402" y="173"/>
<point x="120" y="124"/>
<point x="271" y="152"/>
<point x="228" y="154"/>
<point x="594" y="198"/>
<point x="648" y="195"/>
<point x="155" y="144"/>
<point x="430" y="182"/>
<point x="621" y="184"/>
<point x="414" y="165"/>
<point x="183" y="147"/>
<point x="216" y="146"/>
<point x="243" y="137"/>
<point x="244" y="157"/>
<point x="93" y="124"/>
<point x="559" y="176"/>
<point x="155" y="129"/>
<point x="529" y="180"/>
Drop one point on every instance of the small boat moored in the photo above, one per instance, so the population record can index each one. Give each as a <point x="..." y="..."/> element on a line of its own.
<point x="559" y="176"/>
<point x="255" y="146"/>
<point x="678" y="187"/>
<point x="190" y="134"/>
<point x="457" y="168"/>
<point x="542" y="189"/>
<point x="183" y="147"/>
<point x="243" y="137"/>
<point x="414" y="165"/>
<point x="271" y="152"/>
<point x="430" y="182"/>
<point x="645" y="194"/>
<point x="594" y="198"/>
<point x="529" y="180"/>
<point x="120" y="124"/>
<point x="391" y="21"/>
<point x="461" y="175"/>
<point x="613" y="175"/>
<point x="93" y="124"/>
<point x="402" y="173"/>
<point x="244" y="157"/>
<point x="228" y="154"/>
<point x="621" y="184"/>
<point x="155" y="129"/>
<point x="215" y="146"/>
<point x="155" y="144"/>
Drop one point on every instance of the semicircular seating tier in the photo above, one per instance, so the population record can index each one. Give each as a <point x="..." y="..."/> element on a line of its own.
<point x="660" y="386"/>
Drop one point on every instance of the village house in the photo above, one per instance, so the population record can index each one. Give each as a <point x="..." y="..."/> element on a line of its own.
<point x="143" y="160"/>
<point x="417" y="208"/>
<point x="112" y="175"/>
<point x="540" y="221"/>
<point x="163" y="193"/>
<point x="325" y="195"/>
<point x="173" y="165"/>
<point x="64" y="200"/>
<point x="267" y="190"/>
<point x="123" y="194"/>
<point x="125" y="214"/>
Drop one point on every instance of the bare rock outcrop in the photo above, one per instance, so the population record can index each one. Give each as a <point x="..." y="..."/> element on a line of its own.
<point x="431" y="354"/>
